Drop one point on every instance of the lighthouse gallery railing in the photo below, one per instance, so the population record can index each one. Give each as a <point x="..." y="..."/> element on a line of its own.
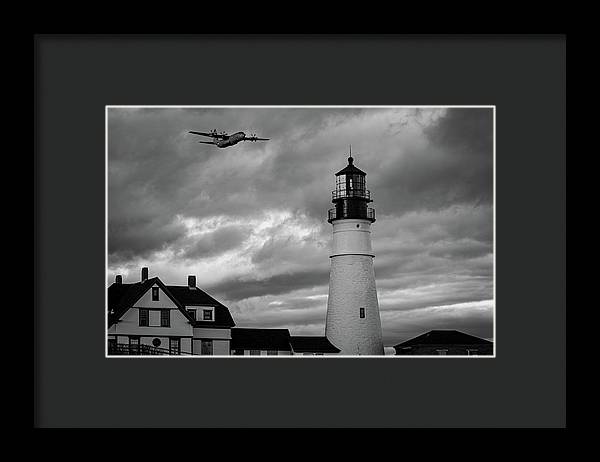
<point x="332" y="215"/>
<point x="341" y="193"/>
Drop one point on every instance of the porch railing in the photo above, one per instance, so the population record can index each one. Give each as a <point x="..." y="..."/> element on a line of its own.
<point x="124" y="349"/>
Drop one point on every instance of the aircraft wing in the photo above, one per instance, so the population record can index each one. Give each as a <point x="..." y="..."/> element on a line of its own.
<point x="212" y="135"/>
<point x="207" y="142"/>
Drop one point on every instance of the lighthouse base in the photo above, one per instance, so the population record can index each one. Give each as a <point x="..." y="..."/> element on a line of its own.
<point x="353" y="324"/>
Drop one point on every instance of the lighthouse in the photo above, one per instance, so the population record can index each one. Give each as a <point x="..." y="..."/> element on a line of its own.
<point x="353" y="324"/>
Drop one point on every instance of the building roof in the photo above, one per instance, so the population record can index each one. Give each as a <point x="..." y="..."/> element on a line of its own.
<point x="260" y="339"/>
<point x="350" y="169"/>
<point x="443" y="337"/>
<point x="312" y="344"/>
<point x="121" y="297"/>
<point x="197" y="297"/>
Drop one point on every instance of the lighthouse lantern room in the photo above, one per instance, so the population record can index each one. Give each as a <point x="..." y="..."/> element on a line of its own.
<point x="351" y="196"/>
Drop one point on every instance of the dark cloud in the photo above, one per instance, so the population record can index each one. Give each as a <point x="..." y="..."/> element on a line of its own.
<point x="216" y="242"/>
<point x="242" y="288"/>
<point x="140" y="237"/>
<point x="454" y="165"/>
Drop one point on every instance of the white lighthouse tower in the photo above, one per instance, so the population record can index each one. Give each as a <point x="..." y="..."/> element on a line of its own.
<point x="353" y="323"/>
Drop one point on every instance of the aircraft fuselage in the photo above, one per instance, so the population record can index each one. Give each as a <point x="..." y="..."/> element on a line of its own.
<point x="231" y="140"/>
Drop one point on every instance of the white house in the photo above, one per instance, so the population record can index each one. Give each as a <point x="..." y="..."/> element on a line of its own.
<point x="151" y="318"/>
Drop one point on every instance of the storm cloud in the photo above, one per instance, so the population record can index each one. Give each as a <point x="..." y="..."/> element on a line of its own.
<point x="251" y="220"/>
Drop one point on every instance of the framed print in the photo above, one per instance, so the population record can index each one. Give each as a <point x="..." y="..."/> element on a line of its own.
<point x="353" y="231"/>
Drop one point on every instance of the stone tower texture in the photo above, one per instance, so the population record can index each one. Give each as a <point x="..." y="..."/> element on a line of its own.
<point x="353" y="323"/>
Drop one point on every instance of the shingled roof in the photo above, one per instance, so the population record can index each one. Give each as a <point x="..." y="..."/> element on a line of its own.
<point x="121" y="297"/>
<point x="312" y="344"/>
<point x="260" y="339"/>
<point x="443" y="337"/>
<point x="197" y="297"/>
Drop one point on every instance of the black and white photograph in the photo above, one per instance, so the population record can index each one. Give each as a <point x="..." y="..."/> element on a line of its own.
<point x="273" y="231"/>
<point x="300" y="231"/>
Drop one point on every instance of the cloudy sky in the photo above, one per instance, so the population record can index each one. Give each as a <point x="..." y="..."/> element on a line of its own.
<point x="250" y="221"/>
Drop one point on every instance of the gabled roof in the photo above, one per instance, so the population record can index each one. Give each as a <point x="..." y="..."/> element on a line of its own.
<point x="443" y="337"/>
<point x="350" y="169"/>
<point x="197" y="297"/>
<point x="312" y="344"/>
<point x="122" y="297"/>
<point x="260" y="339"/>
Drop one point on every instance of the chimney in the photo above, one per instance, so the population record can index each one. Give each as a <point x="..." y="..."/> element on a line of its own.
<point x="118" y="279"/>
<point x="144" y="274"/>
<point x="191" y="282"/>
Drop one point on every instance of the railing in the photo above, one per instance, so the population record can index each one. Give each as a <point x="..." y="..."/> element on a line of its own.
<point x="123" y="349"/>
<point x="332" y="215"/>
<point x="341" y="193"/>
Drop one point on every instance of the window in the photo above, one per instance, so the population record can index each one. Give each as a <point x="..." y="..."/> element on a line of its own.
<point x="341" y="184"/>
<point x="207" y="315"/>
<point x="134" y="345"/>
<point x="271" y="352"/>
<point x="255" y="352"/>
<point x="442" y="352"/>
<point x="144" y="317"/>
<point x="192" y="313"/>
<point x="174" y="346"/>
<point x="165" y="318"/>
<point x="112" y="345"/>
<point x="237" y="352"/>
<point x="206" y="347"/>
<point x="362" y="312"/>
<point x="154" y="294"/>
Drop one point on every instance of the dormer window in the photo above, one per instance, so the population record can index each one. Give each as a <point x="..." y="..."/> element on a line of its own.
<point x="207" y="315"/>
<point x="154" y="294"/>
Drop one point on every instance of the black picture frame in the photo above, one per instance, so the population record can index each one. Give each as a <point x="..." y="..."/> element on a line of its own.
<point x="524" y="76"/>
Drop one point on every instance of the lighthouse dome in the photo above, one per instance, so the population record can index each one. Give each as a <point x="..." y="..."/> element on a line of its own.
<point x="351" y="169"/>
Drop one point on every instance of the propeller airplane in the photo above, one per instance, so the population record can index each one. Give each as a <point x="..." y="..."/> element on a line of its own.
<point x="223" y="140"/>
